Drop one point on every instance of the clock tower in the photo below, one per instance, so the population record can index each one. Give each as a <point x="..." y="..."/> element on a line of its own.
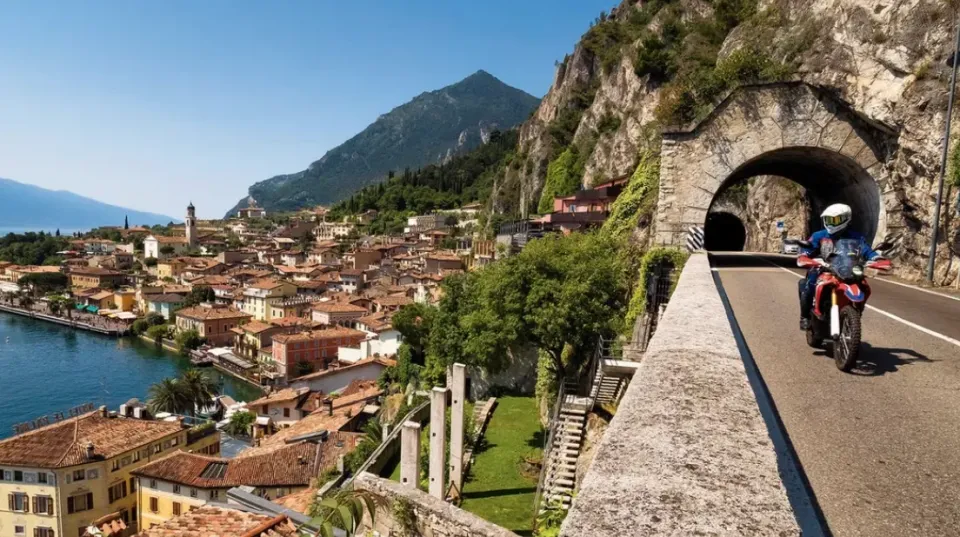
<point x="190" y="224"/>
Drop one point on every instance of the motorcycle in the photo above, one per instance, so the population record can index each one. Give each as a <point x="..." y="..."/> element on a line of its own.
<point x="841" y="295"/>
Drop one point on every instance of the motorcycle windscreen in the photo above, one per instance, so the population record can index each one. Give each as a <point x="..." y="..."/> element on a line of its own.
<point x="846" y="255"/>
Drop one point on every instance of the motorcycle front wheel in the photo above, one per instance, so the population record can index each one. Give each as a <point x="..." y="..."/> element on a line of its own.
<point x="846" y="347"/>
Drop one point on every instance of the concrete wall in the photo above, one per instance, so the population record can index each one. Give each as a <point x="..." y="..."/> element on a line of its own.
<point x="688" y="452"/>
<point x="432" y="517"/>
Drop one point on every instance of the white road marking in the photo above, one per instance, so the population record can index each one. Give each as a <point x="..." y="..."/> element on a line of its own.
<point x="918" y="288"/>
<point x="923" y="329"/>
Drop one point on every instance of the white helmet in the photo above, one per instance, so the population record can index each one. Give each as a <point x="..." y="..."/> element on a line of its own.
<point x="836" y="217"/>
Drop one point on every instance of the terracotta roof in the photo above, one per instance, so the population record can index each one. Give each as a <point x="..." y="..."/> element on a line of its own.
<point x="64" y="444"/>
<point x="203" y="313"/>
<point x="266" y="283"/>
<point x="393" y="300"/>
<point x="292" y="465"/>
<point x="351" y="272"/>
<point x="298" y="501"/>
<point x="166" y="298"/>
<point x="310" y="284"/>
<point x="337" y="307"/>
<point x="211" y="521"/>
<point x="289" y="321"/>
<point x="255" y="327"/>
<point x="438" y="256"/>
<point x="169" y="240"/>
<point x="327" y="333"/>
<point x="102" y="295"/>
<point x="335" y="370"/>
<point x="286" y="394"/>
<point x="95" y="271"/>
<point x="344" y="410"/>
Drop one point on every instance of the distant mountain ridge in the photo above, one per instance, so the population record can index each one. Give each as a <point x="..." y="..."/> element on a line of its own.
<point x="29" y="206"/>
<point x="430" y="128"/>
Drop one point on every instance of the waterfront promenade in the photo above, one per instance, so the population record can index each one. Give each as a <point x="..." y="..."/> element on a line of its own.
<point x="77" y="319"/>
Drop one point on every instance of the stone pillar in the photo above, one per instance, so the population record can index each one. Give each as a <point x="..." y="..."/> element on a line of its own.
<point x="458" y="388"/>
<point x="341" y="465"/>
<point x="410" y="454"/>
<point x="386" y="431"/>
<point x="438" y="441"/>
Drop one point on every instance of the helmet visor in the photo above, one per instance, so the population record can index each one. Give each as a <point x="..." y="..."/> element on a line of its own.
<point x="834" y="220"/>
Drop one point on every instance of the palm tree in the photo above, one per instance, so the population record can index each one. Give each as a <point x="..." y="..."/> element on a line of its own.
<point x="344" y="509"/>
<point x="198" y="387"/>
<point x="169" y="395"/>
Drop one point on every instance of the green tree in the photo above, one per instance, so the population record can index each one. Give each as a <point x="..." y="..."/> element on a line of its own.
<point x="200" y="388"/>
<point x="167" y="249"/>
<point x="200" y="293"/>
<point x="240" y="423"/>
<point x="126" y="222"/>
<point x="158" y="332"/>
<point x="187" y="340"/>
<point x="169" y="395"/>
<point x="150" y="262"/>
<point x="414" y="322"/>
<point x="44" y="282"/>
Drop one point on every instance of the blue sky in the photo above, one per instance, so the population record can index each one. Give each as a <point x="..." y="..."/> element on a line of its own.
<point x="152" y="104"/>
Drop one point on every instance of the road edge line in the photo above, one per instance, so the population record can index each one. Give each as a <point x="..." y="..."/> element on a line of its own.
<point x="911" y="324"/>
<point x="806" y="509"/>
<point x="918" y="288"/>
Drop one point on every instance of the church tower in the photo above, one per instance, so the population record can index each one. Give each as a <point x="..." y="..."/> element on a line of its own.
<point x="190" y="224"/>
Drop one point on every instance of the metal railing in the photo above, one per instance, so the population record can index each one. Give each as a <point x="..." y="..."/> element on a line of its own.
<point x="659" y="282"/>
<point x="547" y="448"/>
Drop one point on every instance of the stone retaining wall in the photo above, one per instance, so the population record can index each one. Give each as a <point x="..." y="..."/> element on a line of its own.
<point x="432" y="517"/>
<point x="688" y="452"/>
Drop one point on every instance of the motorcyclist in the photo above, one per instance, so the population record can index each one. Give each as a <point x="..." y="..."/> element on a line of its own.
<point x="836" y="221"/>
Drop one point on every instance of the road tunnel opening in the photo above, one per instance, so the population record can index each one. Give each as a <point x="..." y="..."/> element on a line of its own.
<point x="827" y="177"/>
<point x="724" y="232"/>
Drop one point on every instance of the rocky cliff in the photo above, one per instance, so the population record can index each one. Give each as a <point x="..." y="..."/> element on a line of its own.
<point x="652" y="62"/>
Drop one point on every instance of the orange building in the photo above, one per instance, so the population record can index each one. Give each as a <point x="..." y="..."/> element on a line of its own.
<point x="213" y="322"/>
<point x="306" y="352"/>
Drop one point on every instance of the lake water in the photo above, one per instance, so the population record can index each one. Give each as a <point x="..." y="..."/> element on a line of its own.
<point x="47" y="368"/>
<point x="20" y="230"/>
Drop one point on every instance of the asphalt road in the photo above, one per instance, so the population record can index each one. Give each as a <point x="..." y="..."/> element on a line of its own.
<point x="880" y="446"/>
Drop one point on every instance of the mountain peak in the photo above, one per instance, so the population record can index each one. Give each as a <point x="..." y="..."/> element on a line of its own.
<point x="433" y="125"/>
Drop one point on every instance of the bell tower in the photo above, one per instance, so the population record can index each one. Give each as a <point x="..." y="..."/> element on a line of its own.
<point x="190" y="224"/>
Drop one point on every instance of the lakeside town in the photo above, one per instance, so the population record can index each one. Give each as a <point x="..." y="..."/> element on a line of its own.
<point x="303" y="307"/>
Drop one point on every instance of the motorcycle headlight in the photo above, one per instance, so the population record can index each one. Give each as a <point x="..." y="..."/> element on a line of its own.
<point x="858" y="271"/>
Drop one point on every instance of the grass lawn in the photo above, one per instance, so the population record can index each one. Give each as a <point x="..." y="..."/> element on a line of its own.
<point x="495" y="489"/>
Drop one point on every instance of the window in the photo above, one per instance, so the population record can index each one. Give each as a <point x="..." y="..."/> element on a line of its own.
<point x="133" y="484"/>
<point x="265" y="410"/>
<point x="154" y="505"/>
<point x="81" y="502"/>
<point x="175" y="441"/>
<point x="157" y="448"/>
<point x="19" y="530"/>
<point x="17" y="475"/>
<point x="214" y="494"/>
<point x="43" y="505"/>
<point x="136" y="456"/>
<point x="79" y="475"/>
<point x="286" y="412"/>
<point x="18" y="502"/>
<point x="42" y="477"/>
<point x="153" y="483"/>
<point x="193" y="493"/>
<point x="93" y="474"/>
<point x="45" y="532"/>
<point x="117" y="491"/>
<point x="115" y="465"/>
<point x="176" y="508"/>
<point x="176" y="489"/>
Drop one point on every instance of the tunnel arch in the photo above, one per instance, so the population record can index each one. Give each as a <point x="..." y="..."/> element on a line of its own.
<point x="724" y="232"/>
<point x="792" y="130"/>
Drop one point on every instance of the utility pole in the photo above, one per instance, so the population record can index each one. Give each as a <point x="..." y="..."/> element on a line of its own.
<point x="943" y="159"/>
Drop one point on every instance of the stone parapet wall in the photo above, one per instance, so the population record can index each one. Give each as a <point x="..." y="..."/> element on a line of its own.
<point x="688" y="452"/>
<point x="432" y="517"/>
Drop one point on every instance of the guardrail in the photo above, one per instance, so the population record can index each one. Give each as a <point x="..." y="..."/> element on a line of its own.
<point x="547" y="448"/>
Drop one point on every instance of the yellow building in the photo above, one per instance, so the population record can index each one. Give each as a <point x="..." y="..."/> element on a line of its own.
<point x="260" y="296"/>
<point x="184" y="481"/>
<point x="125" y="299"/>
<point x="59" y="478"/>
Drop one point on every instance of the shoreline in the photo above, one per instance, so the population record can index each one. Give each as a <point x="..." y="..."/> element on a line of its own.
<point x="215" y="364"/>
<point x="61" y="321"/>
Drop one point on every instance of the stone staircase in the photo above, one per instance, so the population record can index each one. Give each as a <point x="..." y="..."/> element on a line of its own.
<point x="560" y="464"/>
<point x="609" y="389"/>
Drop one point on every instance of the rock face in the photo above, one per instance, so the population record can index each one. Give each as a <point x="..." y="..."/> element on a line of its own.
<point x="885" y="61"/>
<point x="759" y="204"/>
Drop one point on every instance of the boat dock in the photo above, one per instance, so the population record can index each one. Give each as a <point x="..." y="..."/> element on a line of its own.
<point x="61" y="321"/>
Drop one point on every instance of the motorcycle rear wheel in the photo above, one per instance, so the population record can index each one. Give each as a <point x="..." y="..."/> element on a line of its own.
<point x="846" y="347"/>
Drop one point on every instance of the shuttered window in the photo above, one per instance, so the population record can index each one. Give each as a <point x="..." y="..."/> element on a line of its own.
<point x="18" y="501"/>
<point x="80" y="502"/>
<point x="43" y="505"/>
<point x="154" y="505"/>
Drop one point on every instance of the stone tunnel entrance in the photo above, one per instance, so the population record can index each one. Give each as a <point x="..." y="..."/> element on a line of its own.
<point x="724" y="232"/>
<point x="790" y="130"/>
